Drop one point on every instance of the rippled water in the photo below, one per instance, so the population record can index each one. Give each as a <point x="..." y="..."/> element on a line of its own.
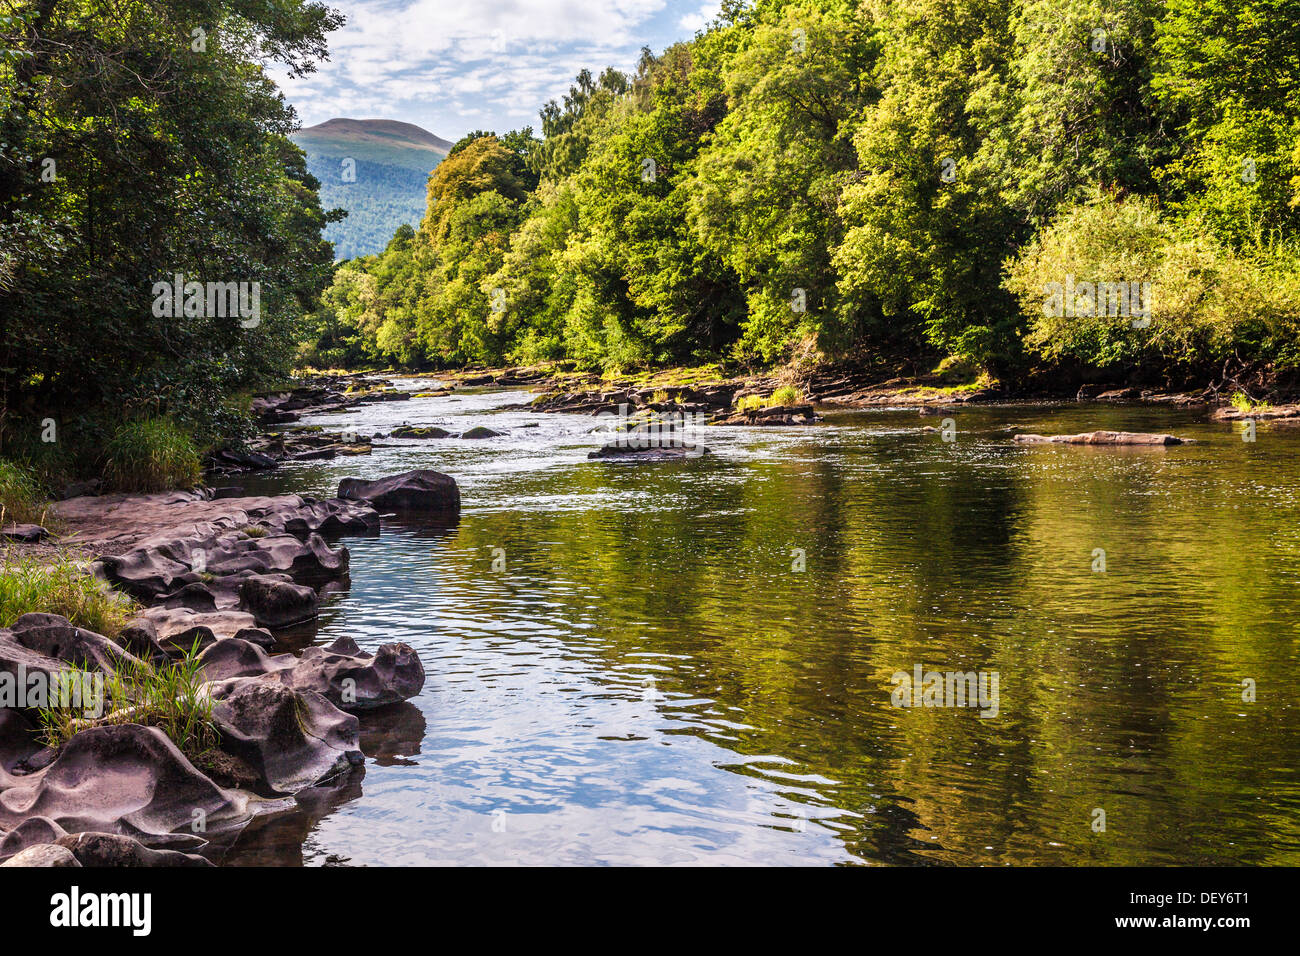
<point x="651" y="680"/>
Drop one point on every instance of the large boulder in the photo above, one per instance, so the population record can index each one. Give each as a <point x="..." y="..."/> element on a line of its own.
<point x="123" y="778"/>
<point x="420" y="490"/>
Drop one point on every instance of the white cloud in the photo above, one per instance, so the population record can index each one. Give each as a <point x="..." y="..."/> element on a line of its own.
<point x="412" y="59"/>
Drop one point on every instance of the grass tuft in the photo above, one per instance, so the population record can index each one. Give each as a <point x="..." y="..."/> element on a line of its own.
<point x="29" y="585"/>
<point x="20" y="493"/>
<point x="168" y="696"/>
<point x="151" y="455"/>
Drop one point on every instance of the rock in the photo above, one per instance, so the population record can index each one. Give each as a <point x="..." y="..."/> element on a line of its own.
<point x="56" y="637"/>
<point x="634" y="452"/>
<point x="194" y="596"/>
<point x="43" y="854"/>
<point x="342" y="673"/>
<point x="122" y="778"/>
<point x="276" y="603"/>
<point x="1120" y="395"/>
<point x="420" y="490"/>
<point x="140" y="637"/>
<point x="481" y="432"/>
<point x="419" y="431"/>
<point x="292" y="739"/>
<point x="1103" y="438"/>
<point x="24" y="533"/>
<point x="115" y="849"/>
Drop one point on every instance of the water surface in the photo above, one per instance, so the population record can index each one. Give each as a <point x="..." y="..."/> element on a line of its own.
<point x="651" y="679"/>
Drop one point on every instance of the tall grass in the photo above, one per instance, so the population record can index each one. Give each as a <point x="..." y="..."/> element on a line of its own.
<point x="786" y="395"/>
<point x="167" y="696"/>
<point x="152" y="454"/>
<point x="60" y="586"/>
<point x="20" y="493"/>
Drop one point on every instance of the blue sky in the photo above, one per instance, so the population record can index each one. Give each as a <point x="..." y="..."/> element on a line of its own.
<point x="452" y="66"/>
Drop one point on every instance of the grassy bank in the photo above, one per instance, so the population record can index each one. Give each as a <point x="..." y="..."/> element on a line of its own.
<point x="59" y="586"/>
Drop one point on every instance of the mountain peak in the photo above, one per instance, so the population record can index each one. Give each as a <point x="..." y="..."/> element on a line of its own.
<point x="375" y="131"/>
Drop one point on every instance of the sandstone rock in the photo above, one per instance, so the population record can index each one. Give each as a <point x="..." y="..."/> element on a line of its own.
<point x="43" y="854"/>
<point x="420" y="490"/>
<point x="276" y="603"/>
<point x="56" y="637"/>
<point x="125" y="779"/>
<point x="293" y="739"/>
<point x="115" y="849"/>
<point x="1103" y="438"/>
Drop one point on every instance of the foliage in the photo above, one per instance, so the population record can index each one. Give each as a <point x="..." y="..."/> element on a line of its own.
<point x="150" y="455"/>
<point x="61" y="586"/>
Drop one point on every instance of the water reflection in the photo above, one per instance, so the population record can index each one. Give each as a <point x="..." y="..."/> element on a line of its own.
<point x="650" y="678"/>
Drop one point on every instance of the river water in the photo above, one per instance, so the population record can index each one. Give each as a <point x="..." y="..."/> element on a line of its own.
<point x="691" y="662"/>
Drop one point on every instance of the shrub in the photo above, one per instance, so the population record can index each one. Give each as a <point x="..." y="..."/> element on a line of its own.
<point x="20" y="493"/>
<point x="29" y="585"/>
<point x="747" y="402"/>
<point x="150" y="455"/>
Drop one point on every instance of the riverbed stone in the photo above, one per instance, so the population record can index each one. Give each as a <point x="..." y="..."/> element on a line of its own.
<point x="1103" y="438"/>
<point x="420" y="490"/>
<point x="275" y="602"/>
<point x="292" y="739"/>
<point x="43" y="854"/>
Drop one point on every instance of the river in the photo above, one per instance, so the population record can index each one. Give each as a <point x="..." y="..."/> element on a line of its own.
<point x="691" y="662"/>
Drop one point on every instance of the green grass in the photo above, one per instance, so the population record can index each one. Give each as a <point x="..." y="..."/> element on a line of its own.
<point x="786" y="395"/>
<point x="167" y="696"/>
<point x="20" y="493"/>
<point x="749" y="402"/>
<point x="150" y="455"/>
<point x="1242" y="403"/>
<point x="62" y="586"/>
<point x="254" y="531"/>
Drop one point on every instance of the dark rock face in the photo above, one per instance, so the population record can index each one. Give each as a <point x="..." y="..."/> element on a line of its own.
<point x="25" y="533"/>
<point x="276" y="602"/>
<point x="291" y="739"/>
<point x="1102" y="438"/>
<point x="420" y="490"/>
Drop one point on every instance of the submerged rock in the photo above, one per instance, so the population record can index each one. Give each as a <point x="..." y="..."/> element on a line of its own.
<point x="481" y="432"/>
<point x="419" y="490"/>
<point x="631" y="451"/>
<point x="1103" y="438"/>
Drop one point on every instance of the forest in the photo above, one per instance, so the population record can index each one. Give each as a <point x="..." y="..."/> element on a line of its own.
<point x="808" y="181"/>
<point x="913" y="184"/>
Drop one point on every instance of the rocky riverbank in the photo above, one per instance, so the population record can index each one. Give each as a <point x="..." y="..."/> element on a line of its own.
<point x="225" y="576"/>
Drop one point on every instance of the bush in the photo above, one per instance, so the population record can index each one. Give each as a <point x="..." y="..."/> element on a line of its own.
<point x="20" y="493"/>
<point x="151" y="455"/>
<point x="63" y="587"/>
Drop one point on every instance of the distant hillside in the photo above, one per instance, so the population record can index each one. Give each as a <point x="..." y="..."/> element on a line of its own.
<point x="382" y="187"/>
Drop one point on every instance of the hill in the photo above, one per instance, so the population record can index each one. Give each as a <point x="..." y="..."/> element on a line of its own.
<point x="375" y="169"/>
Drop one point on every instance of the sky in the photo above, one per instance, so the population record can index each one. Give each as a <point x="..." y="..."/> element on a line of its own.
<point x="453" y="66"/>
